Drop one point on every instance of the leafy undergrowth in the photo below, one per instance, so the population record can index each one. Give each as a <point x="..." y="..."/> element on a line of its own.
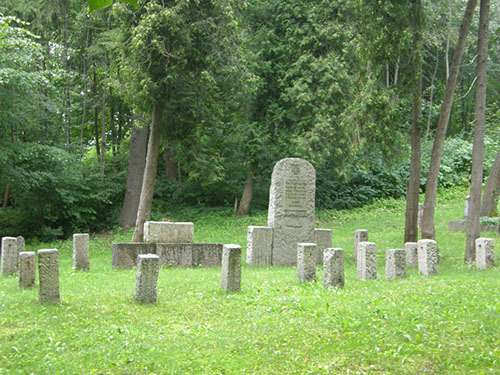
<point x="447" y="323"/>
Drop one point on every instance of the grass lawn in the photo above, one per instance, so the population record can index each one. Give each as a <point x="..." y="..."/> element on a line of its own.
<point x="445" y="324"/>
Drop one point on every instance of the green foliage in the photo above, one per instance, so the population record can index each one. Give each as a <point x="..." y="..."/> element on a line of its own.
<point x="99" y="4"/>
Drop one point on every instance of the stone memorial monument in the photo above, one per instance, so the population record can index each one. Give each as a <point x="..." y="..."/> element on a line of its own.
<point x="360" y="235"/>
<point x="48" y="276"/>
<point x="27" y="269"/>
<point x="10" y="256"/>
<point x="333" y="268"/>
<point x="427" y="257"/>
<point x="395" y="264"/>
<point x="81" y="251"/>
<point x="231" y="268"/>
<point x="485" y="255"/>
<point x="290" y="216"/>
<point x="147" y="278"/>
<point x="411" y="254"/>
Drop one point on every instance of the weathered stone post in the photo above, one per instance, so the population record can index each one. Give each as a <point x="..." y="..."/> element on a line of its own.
<point x="259" y="246"/>
<point x="9" y="256"/>
<point x="411" y="254"/>
<point x="81" y="251"/>
<point x="360" y="235"/>
<point x="323" y="241"/>
<point x="395" y="264"/>
<point x="48" y="276"/>
<point x="485" y="255"/>
<point x="367" y="260"/>
<point x="427" y="257"/>
<point x="27" y="269"/>
<point x="333" y="268"/>
<point x="231" y="268"/>
<point x="148" y="267"/>
<point x="306" y="262"/>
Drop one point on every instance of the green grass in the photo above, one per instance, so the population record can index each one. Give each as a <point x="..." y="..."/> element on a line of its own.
<point x="445" y="324"/>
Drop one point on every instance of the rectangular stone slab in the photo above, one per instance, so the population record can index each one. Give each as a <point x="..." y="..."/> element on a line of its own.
<point x="323" y="241"/>
<point x="124" y="255"/>
<point x="291" y="208"/>
<point x="189" y="254"/>
<point x="166" y="232"/>
<point x="333" y="268"/>
<point x="231" y="268"/>
<point x="259" y="246"/>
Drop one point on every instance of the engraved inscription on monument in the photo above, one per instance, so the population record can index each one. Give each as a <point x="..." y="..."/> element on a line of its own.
<point x="295" y="194"/>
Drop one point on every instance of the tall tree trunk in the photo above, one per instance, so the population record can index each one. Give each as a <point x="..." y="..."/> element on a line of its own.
<point x="473" y="224"/>
<point x="431" y="98"/>
<point x="103" y="131"/>
<point x="246" y="198"/>
<point x="6" y="196"/>
<point x="444" y="117"/>
<point x="96" y="116"/>
<point x="148" y="182"/>
<point x="492" y="190"/>
<point x="136" y="162"/>
<point x="413" y="187"/>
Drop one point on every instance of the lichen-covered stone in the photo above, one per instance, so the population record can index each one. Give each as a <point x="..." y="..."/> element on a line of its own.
<point x="411" y="254"/>
<point x="367" y="260"/>
<point x="167" y="232"/>
<point x="360" y="235"/>
<point x="259" y="246"/>
<point x="81" y="251"/>
<point x="395" y="264"/>
<point x="323" y="241"/>
<point x="148" y="266"/>
<point x="231" y="268"/>
<point x="27" y="269"/>
<point x="10" y="256"/>
<point x="306" y="262"/>
<point x="333" y="268"/>
<point x="48" y="276"/>
<point x="485" y="254"/>
<point x="20" y="244"/>
<point x="124" y="255"/>
<point x="291" y="208"/>
<point x="427" y="257"/>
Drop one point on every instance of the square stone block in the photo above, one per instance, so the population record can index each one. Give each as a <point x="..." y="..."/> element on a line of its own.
<point x="166" y="232"/>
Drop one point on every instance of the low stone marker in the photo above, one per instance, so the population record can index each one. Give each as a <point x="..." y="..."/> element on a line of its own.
<point x="81" y="251"/>
<point x="167" y="232"/>
<point x="20" y="244"/>
<point x="189" y="254"/>
<point x="231" y="268"/>
<point x="485" y="255"/>
<point x="27" y="269"/>
<point x="306" y="262"/>
<point x="411" y="254"/>
<point x="9" y="256"/>
<point x="360" y="235"/>
<point x="323" y="241"/>
<point x="333" y="268"/>
<point x="367" y="261"/>
<point x="395" y="264"/>
<point x="124" y="255"/>
<point x="48" y="276"/>
<point x="427" y="257"/>
<point x="148" y="266"/>
<point x="259" y="246"/>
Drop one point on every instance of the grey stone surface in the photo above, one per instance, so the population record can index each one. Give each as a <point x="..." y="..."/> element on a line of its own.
<point x="231" y="268"/>
<point x="9" y="256"/>
<point x="395" y="263"/>
<point x="466" y="208"/>
<point x="291" y="208"/>
<point x="485" y="254"/>
<point x="81" y="251"/>
<point x="20" y="244"/>
<point x="306" y="262"/>
<point x="367" y="260"/>
<point x="411" y="254"/>
<point x="333" y="267"/>
<point x="124" y="255"/>
<point x="48" y="276"/>
<point x="323" y="240"/>
<point x="148" y="266"/>
<point x="456" y="226"/>
<point x="360" y="235"/>
<point x="167" y="232"/>
<point x="27" y="269"/>
<point x="427" y="257"/>
<point x="189" y="254"/>
<point x="259" y="246"/>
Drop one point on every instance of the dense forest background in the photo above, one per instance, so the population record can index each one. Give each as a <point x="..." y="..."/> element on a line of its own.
<point x="235" y="85"/>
